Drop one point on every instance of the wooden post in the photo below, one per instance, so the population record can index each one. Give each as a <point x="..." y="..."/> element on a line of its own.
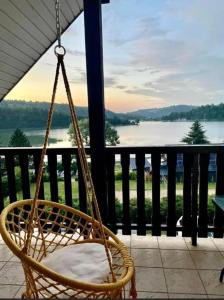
<point x="95" y="83"/>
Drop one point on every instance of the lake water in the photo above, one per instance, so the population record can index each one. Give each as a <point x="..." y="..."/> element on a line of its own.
<point x="146" y="133"/>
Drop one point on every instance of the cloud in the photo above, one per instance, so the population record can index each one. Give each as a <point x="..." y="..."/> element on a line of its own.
<point x="75" y="52"/>
<point x="169" y="50"/>
<point x="151" y="27"/>
<point x="143" y="91"/>
<point x="147" y="69"/>
<point x="48" y="64"/>
<point x="144" y="26"/>
<point x="80" y="78"/>
<point x="110" y="81"/>
<point x="121" y="87"/>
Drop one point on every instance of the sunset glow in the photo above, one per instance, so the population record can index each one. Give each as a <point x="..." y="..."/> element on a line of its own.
<point x="156" y="53"/>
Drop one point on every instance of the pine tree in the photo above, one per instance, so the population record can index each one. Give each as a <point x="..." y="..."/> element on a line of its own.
<point x="19" y="139"/>
<point x="196" y="135"/>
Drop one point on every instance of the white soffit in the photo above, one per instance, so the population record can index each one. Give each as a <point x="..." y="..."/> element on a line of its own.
<point x="27" y="30"/>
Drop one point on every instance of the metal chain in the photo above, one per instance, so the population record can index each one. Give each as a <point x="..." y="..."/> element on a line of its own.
<point x="58" y="25"/>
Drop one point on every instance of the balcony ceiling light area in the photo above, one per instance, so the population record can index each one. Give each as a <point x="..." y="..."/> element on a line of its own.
<point x="27" y="30"/>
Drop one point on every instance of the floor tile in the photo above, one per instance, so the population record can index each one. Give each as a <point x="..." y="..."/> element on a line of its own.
<point x="126" y="239"/>
<point x="5" y="253"/>
<point x="12" y="273"/>
<point x="19" y="293"/>
<point x="172" y="243"/>
<point x="215" y="296"/>
<point x="188" y="296"/>
<point x="144" y="241"/>
<point x="146" y="257"/>
<point x="149" y="295"/>
<point x="183" y="281"/>
<point x="150" y="279"/>
<point x="14" y="258"/>
<point x="178" y="263"/>
<point x="1" y="240"/>
<point x="210" y="279"/>
<point x="2" y="263"/>
<point x="8" y="291"/>
<point x="127" y="287"/>
<point x="177" y="259"/>
<point x="202" y="244"/>
<point x="219" y="243"/>
<point x="207" y="260"/>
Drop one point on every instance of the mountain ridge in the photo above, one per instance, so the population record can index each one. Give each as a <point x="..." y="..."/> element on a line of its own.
<point x="29" y="114"/>
<point x="209" y="112"/>
<point x="82" y="111"/>
<point x="152" y="113"/>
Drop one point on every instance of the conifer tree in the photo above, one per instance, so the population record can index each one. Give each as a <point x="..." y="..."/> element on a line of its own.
<point x="19" y="139"/>
<point x="196" y="135"/>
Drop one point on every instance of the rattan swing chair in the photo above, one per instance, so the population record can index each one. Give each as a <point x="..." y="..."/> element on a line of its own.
<point x="33" y="229"/>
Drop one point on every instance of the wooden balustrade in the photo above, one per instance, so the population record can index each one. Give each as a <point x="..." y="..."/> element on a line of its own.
<point x="195" y="159"/>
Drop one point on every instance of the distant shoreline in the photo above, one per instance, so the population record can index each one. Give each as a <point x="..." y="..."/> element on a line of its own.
<point x="119" y="125"/>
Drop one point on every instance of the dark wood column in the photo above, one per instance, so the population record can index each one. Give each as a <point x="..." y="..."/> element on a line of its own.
<point x="95" y="83"/>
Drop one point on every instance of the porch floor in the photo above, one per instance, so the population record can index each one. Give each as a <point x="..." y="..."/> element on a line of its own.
<point x="166" y="267"/>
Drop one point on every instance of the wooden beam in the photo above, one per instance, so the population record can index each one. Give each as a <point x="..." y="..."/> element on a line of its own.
<point x="95" y="86"/>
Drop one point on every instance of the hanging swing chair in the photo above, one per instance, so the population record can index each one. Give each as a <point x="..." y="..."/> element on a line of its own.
<point x="64" y="252"/>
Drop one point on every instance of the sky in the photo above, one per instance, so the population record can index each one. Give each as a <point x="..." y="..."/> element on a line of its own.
<point x="156" y="53"/>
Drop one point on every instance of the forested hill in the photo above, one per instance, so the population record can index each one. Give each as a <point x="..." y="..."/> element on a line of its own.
<point x="203" y="113"/>
<point x="23" y="114"/>
<point x="59" y="108"/>
<point x="155" y="113"/>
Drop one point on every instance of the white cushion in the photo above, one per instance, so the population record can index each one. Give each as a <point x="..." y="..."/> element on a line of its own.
<point x="85" y="262"/>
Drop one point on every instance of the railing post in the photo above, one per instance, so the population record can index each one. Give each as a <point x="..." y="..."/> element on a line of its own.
<point x="111" y="191"/>
<point x="141" y="220"/>
<point x="66" y="161"/>
<point x="187" y="225"/>
<point x="1" y="188"/>
<point x="218" y="219"/>
<point x="194" y="199"/>
<point x="156" y="218"/>
<point x="171" y="194"/>
<point x="95" y="85"/>
<point x="24" y="165"/>
<point x="203" y="196"/>
<point x="10" y="167"/>
<point x="125" y="162"/>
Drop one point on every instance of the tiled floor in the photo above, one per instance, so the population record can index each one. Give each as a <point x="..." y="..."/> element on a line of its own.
<point x="166" y="267"/>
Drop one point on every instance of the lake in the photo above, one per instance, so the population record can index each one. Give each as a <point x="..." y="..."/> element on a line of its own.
<point x="146" y="133"/>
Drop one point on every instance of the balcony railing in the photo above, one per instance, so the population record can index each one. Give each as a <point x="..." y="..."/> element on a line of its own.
<point x="195" y="178"/>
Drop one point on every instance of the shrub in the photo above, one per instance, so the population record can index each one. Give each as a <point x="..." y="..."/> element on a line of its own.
<point x="132" y="175"/>
<point x="118" y="176"/>
<point x="163" y="209"/>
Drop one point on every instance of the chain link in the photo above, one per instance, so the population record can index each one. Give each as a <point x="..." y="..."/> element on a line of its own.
<point x="58" y="26"/>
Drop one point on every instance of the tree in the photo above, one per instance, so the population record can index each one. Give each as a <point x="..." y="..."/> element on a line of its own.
<point x="111" y="135"/>
<point x="19" y="139"/>
<point x="196" y="135"/>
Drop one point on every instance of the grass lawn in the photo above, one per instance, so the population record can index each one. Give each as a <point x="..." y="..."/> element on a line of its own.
<point x="118" y="187"/>
<point x="47" y="193"/>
